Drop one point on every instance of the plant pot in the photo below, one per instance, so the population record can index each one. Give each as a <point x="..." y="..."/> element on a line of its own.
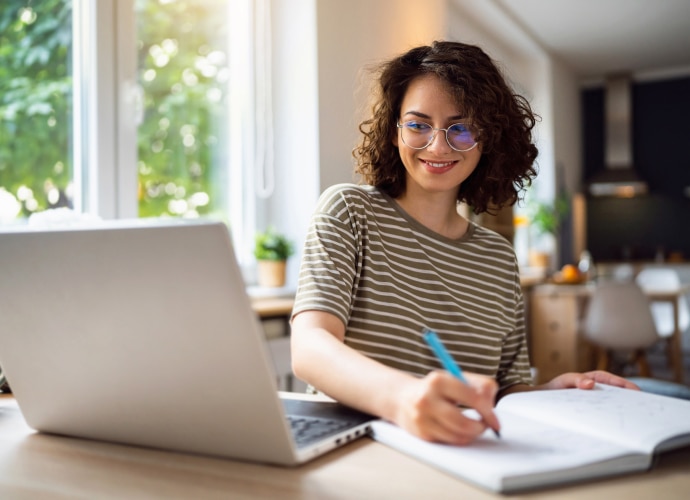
<point x="539" y="259"/>
<point x="271" y="273"/>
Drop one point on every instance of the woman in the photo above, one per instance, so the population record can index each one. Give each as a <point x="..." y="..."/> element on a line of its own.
<point x="386" y="260"/>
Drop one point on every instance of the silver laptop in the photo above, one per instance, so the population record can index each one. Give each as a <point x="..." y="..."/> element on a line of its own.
<point x="142" y="333"/>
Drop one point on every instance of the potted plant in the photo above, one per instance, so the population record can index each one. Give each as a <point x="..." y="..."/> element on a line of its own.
<point x="545" y="218"/>
<point x="271" y="250"/>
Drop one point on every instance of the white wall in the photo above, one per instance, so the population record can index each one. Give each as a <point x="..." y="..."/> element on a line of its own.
<point x="567" y="125"/>
<point x="296" y="121"/>
<point x="354" y="34"/>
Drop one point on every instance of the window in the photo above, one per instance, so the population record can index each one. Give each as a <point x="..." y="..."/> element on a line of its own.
<point x="130" y="108"/>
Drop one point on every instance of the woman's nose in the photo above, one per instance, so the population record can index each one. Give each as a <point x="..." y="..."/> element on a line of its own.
<point x="439" y="143"/>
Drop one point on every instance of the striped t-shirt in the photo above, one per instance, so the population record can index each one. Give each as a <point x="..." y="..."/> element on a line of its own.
<point x="387" y="277"/>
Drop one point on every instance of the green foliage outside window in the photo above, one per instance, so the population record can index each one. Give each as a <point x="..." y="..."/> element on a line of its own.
<point x="183" y="71"/>
<point x="35" y="103"/>
<point x="184" y="74"/>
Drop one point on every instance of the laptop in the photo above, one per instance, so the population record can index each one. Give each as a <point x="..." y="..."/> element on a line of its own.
<point x="142" y="333"/>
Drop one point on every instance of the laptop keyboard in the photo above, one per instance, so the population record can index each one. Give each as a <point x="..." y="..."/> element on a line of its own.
<point x="307" y="430"/>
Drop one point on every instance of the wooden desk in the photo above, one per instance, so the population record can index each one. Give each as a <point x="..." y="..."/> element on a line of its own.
<point x="34" y="465"/>
<point x="556" y="344"/>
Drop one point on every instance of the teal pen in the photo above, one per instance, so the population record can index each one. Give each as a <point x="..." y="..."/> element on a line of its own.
<point x="445" y="358"/>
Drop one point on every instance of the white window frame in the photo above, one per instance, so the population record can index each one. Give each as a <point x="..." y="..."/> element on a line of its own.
<point x="107" y="111"/>
<point x="93" y="96"/>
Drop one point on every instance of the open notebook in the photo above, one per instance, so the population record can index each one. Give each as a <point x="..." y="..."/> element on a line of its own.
<point x="142" y="333"/>
<point x="555" y="437"/>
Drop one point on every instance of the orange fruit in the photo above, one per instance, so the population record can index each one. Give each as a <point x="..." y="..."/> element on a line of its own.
<point x="570" y="273"/>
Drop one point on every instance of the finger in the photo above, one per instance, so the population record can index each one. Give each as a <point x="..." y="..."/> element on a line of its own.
<point x="585" y="383"/>
<point x="453" y="427"/>
<point x="437" y="418"/>
<point x="479" y="393"/>
<point x="571" y="380"/>
<point x="484" y="398"/>
<point x="484" y="406"/>
<point x="627" y="384"/>
<point x="611" y="379"/>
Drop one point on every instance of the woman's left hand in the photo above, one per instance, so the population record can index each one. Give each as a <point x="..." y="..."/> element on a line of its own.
<point x="587" y="380"/>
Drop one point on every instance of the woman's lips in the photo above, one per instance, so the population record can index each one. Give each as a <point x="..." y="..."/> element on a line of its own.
<point x="439" y="166"/>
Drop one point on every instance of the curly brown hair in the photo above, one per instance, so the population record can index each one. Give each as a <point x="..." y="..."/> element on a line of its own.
<point x="504" y="120"/>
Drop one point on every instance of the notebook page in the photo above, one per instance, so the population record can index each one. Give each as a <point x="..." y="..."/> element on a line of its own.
<point x="526" y="449"/>
<point x="632" y="418"/>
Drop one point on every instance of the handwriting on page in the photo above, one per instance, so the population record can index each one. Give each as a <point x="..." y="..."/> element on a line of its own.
<point x="609" y="412"/>
<point x="528" y="447"/>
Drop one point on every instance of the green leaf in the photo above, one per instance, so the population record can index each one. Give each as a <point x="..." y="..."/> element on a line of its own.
<point x="270" y="245"/>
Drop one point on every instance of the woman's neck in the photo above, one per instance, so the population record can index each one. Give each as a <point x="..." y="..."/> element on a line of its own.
<point x="436" y="211"/>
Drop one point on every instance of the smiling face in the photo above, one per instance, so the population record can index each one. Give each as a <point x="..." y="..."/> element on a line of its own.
<point x="438" y="167"/>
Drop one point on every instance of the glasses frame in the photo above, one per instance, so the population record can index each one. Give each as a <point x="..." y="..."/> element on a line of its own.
<point x="434" y="130"/>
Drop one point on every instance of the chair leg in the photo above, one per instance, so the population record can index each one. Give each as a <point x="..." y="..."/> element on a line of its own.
<point x="641" y="360"/>
<point x="668" y="344"/>
<point x="674" y="357"/>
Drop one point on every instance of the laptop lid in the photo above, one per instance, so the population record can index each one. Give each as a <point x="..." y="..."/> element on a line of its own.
<point x="141" y="333"/>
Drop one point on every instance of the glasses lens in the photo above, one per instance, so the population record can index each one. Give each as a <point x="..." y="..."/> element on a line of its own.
<point x="460" y="136"/>
<point x="417" y="134"/>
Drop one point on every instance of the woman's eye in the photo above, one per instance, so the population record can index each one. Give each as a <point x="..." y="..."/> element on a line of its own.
<point x="418" y="126"/>
<point x="460" y="128"/>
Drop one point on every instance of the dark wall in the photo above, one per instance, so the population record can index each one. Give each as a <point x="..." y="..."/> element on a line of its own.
<point x="635" y="229"/>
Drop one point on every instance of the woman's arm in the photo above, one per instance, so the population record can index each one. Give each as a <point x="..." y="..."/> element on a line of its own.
<point x="426" y="407"/>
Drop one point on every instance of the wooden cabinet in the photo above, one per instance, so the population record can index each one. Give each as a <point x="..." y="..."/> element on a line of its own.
<point x="556" y="345"/>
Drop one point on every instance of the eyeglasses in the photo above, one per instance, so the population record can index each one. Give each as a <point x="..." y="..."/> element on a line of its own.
<point x="418" y="135"/>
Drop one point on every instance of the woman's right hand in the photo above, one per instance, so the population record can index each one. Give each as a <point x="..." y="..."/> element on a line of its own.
<point x="428" y="407"/>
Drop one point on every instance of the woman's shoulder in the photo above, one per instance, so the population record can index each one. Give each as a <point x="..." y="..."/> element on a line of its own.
<point x="350" y="194"/>
<point x="494" y="253"/>
<point x="490" y="238"/>
<point x="350" y="189"/>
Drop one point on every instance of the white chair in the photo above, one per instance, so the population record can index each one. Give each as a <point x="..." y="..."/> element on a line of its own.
<point x="623" y="272"/>
<point x="618" y="318"/>
<point x="660" y="279"/>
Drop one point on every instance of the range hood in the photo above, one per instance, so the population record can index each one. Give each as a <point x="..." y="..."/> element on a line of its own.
<point x="619" y="177"/>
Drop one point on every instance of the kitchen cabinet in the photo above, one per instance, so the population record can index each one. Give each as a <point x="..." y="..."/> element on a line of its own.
<point x="661" y="148"/>
<point x="556" y="346"/>
<point x="634" y="228"/>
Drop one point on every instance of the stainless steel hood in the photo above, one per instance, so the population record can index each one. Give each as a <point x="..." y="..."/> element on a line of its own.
<point x="619" y="178"/>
